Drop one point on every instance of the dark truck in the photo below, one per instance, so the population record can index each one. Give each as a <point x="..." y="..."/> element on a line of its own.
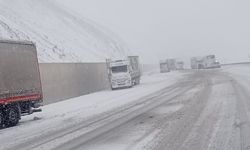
<point x="20" y="83"/>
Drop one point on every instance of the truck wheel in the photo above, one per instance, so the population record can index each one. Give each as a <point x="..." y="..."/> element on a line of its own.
<point x="1" y="119"/>
<point x="12" y="116"/>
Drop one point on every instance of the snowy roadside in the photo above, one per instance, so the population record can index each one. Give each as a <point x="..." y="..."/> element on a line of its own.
<point x="241" y="73"/>
<point x="82" y="108"/>
<point x="96" y="103"/>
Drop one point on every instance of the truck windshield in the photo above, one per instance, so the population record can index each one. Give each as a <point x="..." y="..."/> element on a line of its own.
<point x="119" y="69"/>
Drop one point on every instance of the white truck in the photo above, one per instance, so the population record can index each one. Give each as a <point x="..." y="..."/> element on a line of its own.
<point x="210" y="62"/>
<point x="205" y="62"/>
<point x="124" y="73"/>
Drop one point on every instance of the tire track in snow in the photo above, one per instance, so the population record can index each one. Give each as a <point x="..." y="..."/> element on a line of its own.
<point x="243" y="108"/>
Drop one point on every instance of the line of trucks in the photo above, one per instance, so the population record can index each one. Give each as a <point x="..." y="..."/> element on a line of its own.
<point x="205" y="62"/>
<point x="171" y="65"/>
<point x="20" y="82"/>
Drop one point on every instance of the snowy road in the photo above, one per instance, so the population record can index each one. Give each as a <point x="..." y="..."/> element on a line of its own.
<point x="214" y="115"/>
<point x="191" y="110"/>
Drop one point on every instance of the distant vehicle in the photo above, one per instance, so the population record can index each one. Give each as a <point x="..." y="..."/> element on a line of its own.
<point x="197" y="63"/>
<point x="124" y="73"/>
<point x="20" y="83"/>
<point x="164" y="66"/>
<point x="206" y="62"/>
<point x="172" y="64"/>
<point x="179" y="65"/>
<point x="210" y="62"/>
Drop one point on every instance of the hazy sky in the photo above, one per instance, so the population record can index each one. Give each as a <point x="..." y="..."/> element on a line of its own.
<point x="158" y="29"/>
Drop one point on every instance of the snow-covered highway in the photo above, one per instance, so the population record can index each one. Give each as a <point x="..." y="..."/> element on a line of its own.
<point x="206" y="109"/>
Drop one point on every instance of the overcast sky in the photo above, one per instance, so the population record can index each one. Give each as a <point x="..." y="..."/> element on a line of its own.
<point x="158" y="29"/>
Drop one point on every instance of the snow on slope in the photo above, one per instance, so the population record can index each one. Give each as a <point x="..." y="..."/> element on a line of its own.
<point x="60" y="35"/>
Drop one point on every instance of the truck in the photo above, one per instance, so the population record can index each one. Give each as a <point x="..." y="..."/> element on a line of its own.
<point x="164" y="67"/>
<point x="206" y="62"/>
<point x="171" y="64"/>
<point x="210" y="62"/>
<point x="124" y="73"/>
<point x="179" y="65"/>
<point x="197" y="63"/>
<point x="20" y="83"/>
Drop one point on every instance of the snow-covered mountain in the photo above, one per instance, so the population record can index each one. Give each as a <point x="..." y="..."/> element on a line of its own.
<point x="60" y="35"/>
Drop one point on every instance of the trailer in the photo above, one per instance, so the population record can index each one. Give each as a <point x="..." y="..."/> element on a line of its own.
<point x="20" y="82"/>
<point x="124" y="73"/>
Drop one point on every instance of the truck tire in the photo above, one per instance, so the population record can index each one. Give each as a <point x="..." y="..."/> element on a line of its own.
<point x="1" y="119"/>
<point x="12" y="115"/>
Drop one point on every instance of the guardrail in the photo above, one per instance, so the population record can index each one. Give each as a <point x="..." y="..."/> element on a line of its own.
<point x="240" y="63"/>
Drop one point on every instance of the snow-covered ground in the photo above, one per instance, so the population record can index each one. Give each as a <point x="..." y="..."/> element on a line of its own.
<point x="60" y="34"/>
<point x="239" y="70"/>
<point x="96" y="103"/>
<point x="73" y="111"/>
<point x="241" y="73"/>
<point x="213" y="115"/>
<point x="211" y="111"/>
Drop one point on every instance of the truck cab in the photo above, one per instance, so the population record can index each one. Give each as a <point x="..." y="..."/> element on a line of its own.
<point x="120" y="74"/>
<point x="211" y="62"/>
<point x="124" y="73"/>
